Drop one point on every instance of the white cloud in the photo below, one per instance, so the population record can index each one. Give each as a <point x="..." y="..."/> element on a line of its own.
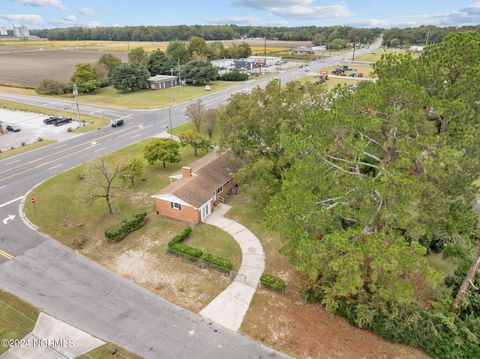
<point x="469" y="15"/>
<point x="86" y="11"/>
<point x="244" y="20"/>
<point x="298" y="9"/>
<point x="93" y="24"/>
<point x="57" y="4"/>
<point x="70" y="18"/>
<point x="23" y="18"/>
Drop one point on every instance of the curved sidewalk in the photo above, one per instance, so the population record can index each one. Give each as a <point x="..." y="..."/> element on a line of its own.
<point x="229" y="307"/>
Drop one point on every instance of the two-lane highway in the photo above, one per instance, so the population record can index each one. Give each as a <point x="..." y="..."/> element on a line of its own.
<point x="82" y="293"/>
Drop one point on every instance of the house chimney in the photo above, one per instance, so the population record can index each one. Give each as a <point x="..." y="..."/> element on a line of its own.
<point x="186" y="172"/>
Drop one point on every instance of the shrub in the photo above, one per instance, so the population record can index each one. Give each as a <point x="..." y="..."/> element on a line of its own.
<point x="40" y="139"/>
<point x="192" y="253"/>
<point x="116" y="234"/>
<point x="217" y="261"/>
<point x="184" y="233"/>
<point x="50" y="87"/>
<point x="234" y="76"/>
<point x="24" y="144"/>
<point x="272" y="282"/>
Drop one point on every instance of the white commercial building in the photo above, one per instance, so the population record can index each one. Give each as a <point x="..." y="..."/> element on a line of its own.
<point x="20" y="31"/>
<point x="3" y="31"/>
<point x="162" y="81"/>
<point x="265" y="60"/>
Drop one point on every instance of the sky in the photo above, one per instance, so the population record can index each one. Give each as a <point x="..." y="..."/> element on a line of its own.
<point x="361" y="13"/>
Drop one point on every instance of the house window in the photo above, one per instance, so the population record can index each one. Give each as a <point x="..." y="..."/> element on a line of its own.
<point x="220" y="189"/>
<point x="175" y="205"/>
<point x="228" y="181"/>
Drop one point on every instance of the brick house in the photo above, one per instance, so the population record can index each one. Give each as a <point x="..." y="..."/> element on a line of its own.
<point x="196" y="190"/>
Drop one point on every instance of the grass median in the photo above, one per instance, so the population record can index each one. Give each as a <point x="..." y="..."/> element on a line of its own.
<point x="26" y="148"/>
<point x="17" y="318"/>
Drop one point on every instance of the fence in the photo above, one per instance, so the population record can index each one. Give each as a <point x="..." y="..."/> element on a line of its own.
<point x="239" y="277"/>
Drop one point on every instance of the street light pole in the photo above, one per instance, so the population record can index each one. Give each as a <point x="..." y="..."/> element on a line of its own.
<point x="75" y="94"/>
<point x="170" y="119"/>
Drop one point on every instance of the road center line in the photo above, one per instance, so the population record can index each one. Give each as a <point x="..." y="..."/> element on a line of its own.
<point x="10" y="202"/>
<point x="6" y="255"/>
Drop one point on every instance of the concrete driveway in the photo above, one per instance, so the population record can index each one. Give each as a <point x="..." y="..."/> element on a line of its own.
<point x="230" y="306"/>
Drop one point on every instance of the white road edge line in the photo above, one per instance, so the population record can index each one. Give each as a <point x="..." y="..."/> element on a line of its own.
<point x="10" y="202"/>
<point x="51" y="168"/>
<point x="100" y="149"/>
<point x="2" y="187"/>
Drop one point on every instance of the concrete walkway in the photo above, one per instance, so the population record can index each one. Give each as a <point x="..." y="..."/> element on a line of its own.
<point x="229" y="307"/>
<point x="53" y="339"/>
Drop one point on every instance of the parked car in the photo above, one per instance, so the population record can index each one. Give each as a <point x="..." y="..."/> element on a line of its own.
<point x="13" y="128"/>
<point x="118" y="123"/>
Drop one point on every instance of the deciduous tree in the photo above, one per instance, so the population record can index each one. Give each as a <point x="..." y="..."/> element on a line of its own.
<point x="191" y="138"/>
<point x="86" y="78"/>
<point x="133" y="170"/>
<point x="101" y="179"/>
<point x="164" y="150"/>
<point x="195" y="112"/>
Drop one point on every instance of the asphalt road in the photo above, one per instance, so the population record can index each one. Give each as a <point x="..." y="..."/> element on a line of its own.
<point x="76" y="290"/>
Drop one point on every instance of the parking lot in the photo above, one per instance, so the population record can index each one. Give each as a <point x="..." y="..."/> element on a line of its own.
<point x="31" y="129"/>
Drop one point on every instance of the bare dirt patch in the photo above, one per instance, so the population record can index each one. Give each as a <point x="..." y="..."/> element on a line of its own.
<point x="28" y="68"/>
<point x="307" y="331"/>
<point x="142" y="258"/>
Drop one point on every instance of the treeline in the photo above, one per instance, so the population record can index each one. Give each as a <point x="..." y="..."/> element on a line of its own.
<point x="421" y="35"/>
<point x="372" y="192"/>
<point x="208" y="32"/>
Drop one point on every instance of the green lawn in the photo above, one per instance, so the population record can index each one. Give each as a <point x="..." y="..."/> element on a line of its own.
<point x="217" y="242"/>
<point x="190" y="126"/>
<point x="147" y="99"/>
<point x="26" y="148"/>
<point x="17" y="318"/>
<point x="66" y="194"/>
<point x="105" y="352"/>
<point x="92" y="122"/>
<point x="375" y="55"/>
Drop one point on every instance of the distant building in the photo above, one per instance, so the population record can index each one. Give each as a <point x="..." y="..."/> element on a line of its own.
<point x="306" y="50"/>
<point x="3" y="31"/>
<point x="20" y="31"/>
<point x="265" y="60"/>
<point x="223" y="65"/>
<point x="159" y="82"/>
<point x="416" y="48"/>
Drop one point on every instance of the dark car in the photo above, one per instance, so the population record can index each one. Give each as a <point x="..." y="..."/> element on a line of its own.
<point x="118" y="123"/>
<point x="13" y="128"/>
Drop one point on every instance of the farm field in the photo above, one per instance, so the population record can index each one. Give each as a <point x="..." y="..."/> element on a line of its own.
<point x="376" y="55"/>
<point x="28" y="68"/>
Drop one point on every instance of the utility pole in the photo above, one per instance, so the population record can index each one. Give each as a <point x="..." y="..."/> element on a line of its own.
<point x="170" y="118"/>
<point x="75" y="94"/>
<point x="353" y="57"/>
<point x="179" y="74"/>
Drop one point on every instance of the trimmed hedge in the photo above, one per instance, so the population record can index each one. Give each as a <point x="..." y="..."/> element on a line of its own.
<point x="194" y="254"/>
<point x="184" y="233"/>
<point x="217" y="261"/>
<point x="191" y="252"/>
<point x="272" y="282"/>
<point x="116" y="234"/>
<point x="234" y="76"/>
